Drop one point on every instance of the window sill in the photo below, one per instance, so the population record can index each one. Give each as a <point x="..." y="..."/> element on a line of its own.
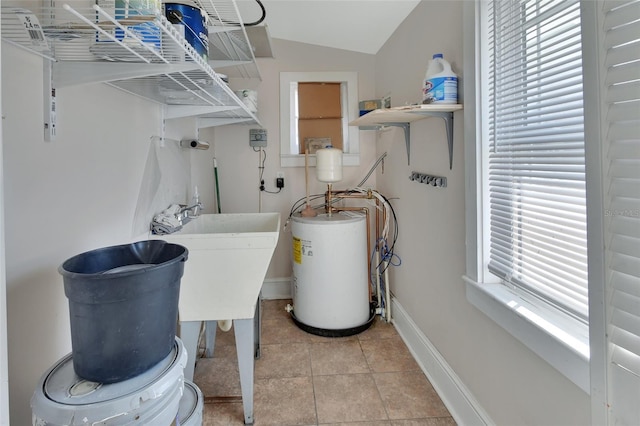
<point x="541" y="330"/>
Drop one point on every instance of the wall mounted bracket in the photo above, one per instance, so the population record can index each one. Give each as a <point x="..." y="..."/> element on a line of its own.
<point x="407" y="136"/>
<point x="49" y="104"/>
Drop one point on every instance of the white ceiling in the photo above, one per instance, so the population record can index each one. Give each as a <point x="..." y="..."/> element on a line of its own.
<point x="358" y="25"/>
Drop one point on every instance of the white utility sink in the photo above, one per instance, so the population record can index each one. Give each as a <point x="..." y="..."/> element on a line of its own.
<point x="229" y="255"/>
<point x="228" y="259"/>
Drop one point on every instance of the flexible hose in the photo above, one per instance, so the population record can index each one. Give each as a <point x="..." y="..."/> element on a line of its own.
<point x="372" y="169"/>
<point x="246" y="24"/>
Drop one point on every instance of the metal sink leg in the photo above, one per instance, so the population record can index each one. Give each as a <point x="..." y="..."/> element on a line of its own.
<point x="210" y="338"/>
<point x="245" y="347"/>
<point x="247" y="332"/>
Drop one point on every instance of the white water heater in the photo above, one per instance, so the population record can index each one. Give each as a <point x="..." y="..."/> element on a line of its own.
<point x="330" y="268"/>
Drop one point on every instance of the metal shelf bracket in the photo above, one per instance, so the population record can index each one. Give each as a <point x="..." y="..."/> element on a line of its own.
<point x="404" y="116"/>
<point x="406" y="126"/>
<point x="448" y="120"/>
<point x="407" y="136"/>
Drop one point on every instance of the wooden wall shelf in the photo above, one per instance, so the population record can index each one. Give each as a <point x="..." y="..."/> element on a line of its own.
<point x="404" y="116"/>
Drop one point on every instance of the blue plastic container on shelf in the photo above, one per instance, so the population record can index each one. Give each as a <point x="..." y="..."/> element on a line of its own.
<point x="148" y="32"/>
<point x="194" y="21"/>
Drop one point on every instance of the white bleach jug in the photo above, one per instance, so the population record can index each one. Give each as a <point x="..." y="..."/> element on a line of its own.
<point x="440" y="82"/>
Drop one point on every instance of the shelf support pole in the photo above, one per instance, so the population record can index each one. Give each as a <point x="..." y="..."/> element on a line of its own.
<point x="49" y="104"/>
<point x="407" y="136"/>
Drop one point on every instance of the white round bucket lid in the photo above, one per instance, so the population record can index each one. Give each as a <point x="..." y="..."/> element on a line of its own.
<point x="191" y="406"/>
<point x="63" y="398"/>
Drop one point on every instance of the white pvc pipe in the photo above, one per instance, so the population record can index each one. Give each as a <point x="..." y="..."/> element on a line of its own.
<point x="387" y="291"/>
<point x="225" y="325"/>
<point x="378" y="278"/>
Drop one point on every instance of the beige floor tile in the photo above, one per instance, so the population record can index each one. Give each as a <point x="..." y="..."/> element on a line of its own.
<point x="275" y="309"/>
<point x="369" y="379"/>
<point x="283" y="361"/>
<point x="282" y="330"/>
<point x="373" y="423"/>
<point x="225" y="351"/>
<point x="409" y="395"/>
<point x="380" y="329"/>
<point x="223" y="415"/>
<point x="432" y="421"/>
<point x="286" y="401"/>
<point x="386" y="355"/>
<point x="347" y="398"/>
<point x="218" y="376"/>
<point x="339" y="357"/>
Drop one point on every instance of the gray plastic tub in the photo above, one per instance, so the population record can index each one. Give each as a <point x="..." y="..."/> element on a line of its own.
<point x="123" y="307"/>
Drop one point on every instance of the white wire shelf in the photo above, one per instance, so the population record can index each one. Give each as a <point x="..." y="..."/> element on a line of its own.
<point x="229" y="47"/>
<point x="140" y="52"/>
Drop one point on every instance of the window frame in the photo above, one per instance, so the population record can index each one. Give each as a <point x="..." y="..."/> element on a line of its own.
<point x="289" y="147"/>
<point x="557" y="338"/>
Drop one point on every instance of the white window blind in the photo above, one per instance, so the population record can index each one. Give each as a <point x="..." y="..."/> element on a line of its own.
<point x="536" y="165"/>
<point x="620" y="81"/>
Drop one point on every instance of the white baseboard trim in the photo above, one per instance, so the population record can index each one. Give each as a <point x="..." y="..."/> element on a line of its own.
<point x="276" y="288"/>
<point x="459" y="401"/>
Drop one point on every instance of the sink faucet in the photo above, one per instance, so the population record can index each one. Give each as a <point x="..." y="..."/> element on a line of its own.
<point x="189" y="211"/>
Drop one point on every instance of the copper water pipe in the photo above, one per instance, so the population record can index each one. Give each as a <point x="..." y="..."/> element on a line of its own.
<point x="350" y="194"/>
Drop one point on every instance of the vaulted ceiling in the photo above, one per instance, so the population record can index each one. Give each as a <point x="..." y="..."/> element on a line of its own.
<point x="357" y="25"/>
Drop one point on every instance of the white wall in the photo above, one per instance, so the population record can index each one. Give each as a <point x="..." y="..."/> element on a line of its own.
<point x="511" y="383"/>
<point x="61" y="198"/>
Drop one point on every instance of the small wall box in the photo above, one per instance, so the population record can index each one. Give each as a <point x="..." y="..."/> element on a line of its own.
<point x="258" y="138"/>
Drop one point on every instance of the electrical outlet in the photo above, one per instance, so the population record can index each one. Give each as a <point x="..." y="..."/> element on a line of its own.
<point x="280" y="175"/>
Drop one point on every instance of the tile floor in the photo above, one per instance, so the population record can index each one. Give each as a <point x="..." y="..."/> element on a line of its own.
<point x="303" y="379"/>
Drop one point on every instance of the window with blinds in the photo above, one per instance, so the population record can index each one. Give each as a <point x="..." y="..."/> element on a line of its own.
<point x="536" y="161"/>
